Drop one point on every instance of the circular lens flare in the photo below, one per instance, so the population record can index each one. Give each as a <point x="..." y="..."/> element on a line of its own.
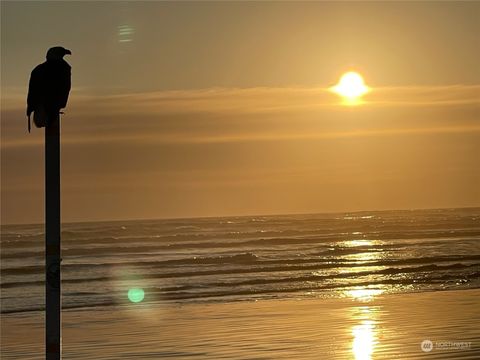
<point x="136" y="295"/>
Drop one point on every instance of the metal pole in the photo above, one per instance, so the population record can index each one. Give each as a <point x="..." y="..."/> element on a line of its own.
<point x="53" y="301"/>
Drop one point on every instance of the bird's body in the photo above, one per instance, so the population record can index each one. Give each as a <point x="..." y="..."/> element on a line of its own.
<point x="49" y="86"/>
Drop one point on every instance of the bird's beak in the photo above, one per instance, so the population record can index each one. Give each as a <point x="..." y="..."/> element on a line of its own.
<point x="68" y="52"/>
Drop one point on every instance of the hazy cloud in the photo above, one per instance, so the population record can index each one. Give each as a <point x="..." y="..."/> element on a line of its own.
<point x="254" y="114"/>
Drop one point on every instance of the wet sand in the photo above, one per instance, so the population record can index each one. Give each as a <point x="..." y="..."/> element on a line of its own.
<point x="362" y="325"/>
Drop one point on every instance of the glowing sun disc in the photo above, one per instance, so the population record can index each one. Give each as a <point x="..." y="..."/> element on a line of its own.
<point x="351" y="86"/>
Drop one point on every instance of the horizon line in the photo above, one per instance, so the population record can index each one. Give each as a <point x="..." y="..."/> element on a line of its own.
<point x="250" y="215"/>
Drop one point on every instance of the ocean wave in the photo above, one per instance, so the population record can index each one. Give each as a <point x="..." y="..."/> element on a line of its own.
<point x="246" y="259"/>
<point x="238" y="258"/>
<point x="158" y="295"/>
<point x="267" y="280"/>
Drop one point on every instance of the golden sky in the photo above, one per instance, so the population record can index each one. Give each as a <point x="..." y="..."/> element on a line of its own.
<point x="211" y="109"/>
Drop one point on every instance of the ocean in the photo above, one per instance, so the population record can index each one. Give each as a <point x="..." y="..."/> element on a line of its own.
<point x="229" y="259"/>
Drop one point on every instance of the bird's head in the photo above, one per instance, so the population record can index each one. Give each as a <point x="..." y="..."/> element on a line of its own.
<point x="57" y="53"/>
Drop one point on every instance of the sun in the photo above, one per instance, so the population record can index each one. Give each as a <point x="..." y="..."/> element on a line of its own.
<point x="351" y="87"/>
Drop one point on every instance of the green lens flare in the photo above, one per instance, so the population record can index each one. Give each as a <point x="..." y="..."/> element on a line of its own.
<point x="136" y="295"/>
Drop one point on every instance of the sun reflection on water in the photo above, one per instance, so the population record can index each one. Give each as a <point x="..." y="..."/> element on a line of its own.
<point x="364" y="340"/>
<point x="365" y="331"/>
<point x="359" y="242"/>
<point x="364" y="249"/>
<point x="363" y="294"/>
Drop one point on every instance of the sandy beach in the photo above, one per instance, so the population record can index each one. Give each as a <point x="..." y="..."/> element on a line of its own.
<point x="361" y="325"/>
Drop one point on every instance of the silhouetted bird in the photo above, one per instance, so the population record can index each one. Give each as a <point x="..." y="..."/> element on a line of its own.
<point x="49" y="87"/>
